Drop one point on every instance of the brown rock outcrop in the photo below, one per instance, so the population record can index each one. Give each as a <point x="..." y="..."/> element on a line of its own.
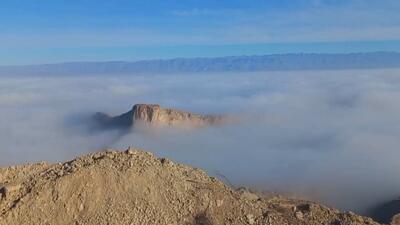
<point x="155" y="115"/>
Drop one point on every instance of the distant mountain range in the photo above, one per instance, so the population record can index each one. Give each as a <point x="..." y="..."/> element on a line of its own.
<point x="373" y="60"/>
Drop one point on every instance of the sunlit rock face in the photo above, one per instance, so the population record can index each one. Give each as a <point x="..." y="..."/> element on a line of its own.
<point x="155" y="115"/>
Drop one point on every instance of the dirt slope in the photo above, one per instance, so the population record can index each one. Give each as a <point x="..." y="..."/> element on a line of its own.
<point x="134" y="187"/>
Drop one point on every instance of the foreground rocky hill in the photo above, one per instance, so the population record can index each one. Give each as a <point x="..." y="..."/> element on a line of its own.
<point x="135" y="187"/>
<point x="155" y="115"/>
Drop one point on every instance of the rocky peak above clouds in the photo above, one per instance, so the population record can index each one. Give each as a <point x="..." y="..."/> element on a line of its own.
<point x="154" y="114"/>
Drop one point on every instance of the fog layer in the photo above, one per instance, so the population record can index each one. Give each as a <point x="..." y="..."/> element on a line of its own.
<point x="330" y="135"/>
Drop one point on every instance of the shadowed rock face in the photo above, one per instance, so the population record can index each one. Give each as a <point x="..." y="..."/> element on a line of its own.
<point x="155" y="115"/>
<point x="388" y="212"/>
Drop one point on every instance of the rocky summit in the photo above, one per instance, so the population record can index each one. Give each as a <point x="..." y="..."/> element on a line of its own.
<point x="135" y="187"/>
<point x="155" y="115"/>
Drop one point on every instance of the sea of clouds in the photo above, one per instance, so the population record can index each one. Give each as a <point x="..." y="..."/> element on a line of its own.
<point x="332" y="136"/>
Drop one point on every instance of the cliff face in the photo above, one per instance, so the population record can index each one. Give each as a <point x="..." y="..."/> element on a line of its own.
<point x="155" y="115"/>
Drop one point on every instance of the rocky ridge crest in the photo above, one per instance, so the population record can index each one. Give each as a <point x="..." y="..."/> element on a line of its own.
<point x="135" y="187"/>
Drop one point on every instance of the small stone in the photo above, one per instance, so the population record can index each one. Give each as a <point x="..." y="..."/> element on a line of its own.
<point x="98" y="156"/>
<point x="166" y="162"/>
<point x="130" y="151"/>
<point x="220" y="203"/>
<point x="9" y="188"/>
<point x="110" y="155"/>
<point x="81" y="207"/>
<point x="299" y="215"/>
<point x="250" y="218"/>
<point x="60" y="173"/>
<point x="304" y="208"/>
<point x="247" y="194"/>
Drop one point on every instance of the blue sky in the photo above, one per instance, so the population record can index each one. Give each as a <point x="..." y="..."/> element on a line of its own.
<point x="46" y="31"/>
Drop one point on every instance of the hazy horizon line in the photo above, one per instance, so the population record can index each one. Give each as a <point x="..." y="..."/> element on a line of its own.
<point x="194" y="58"/>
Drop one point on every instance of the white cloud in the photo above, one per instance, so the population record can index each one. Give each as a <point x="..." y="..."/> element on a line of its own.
<point x="306" y="132"/>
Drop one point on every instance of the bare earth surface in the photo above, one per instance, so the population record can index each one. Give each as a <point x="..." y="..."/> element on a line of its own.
<point x="134" y="187"/>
